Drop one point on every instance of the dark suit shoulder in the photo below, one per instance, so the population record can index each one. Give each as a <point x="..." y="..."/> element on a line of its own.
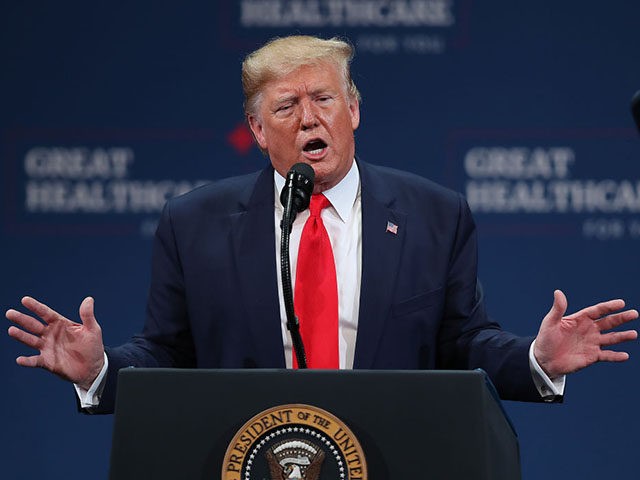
<point x="408" y="188"/>
<point x="223" y="197"/>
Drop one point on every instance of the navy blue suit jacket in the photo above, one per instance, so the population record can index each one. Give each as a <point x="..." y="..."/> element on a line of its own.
<point x="213" y="300"/>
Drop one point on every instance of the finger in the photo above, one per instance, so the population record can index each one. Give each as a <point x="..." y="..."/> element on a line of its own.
<point x="601" y="309"/>
<point x="614" y="338"/>
<point x="617" y="319"/>
<point x="86" y="313"/>
<point x="26" y="338"/>
<point x="559" y="306"/>
<point x="613" y="356"/>
<point x="25" y="321"/>
<point x="40" y="309"/>
<point x="32" y="361"/>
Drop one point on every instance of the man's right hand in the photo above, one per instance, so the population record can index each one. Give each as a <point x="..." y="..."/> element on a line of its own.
<point x="73" y="351"/>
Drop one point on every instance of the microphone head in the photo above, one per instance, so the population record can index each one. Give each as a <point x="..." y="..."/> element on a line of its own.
<point x="635" y="108"/>
<point x="305" y="170"/>
<point x="301" y="176"/>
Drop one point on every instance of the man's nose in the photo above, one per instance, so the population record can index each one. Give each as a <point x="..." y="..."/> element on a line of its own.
<point x="308" y="117"/>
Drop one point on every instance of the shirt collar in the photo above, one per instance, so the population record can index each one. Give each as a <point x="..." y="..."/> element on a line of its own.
<point x="342" y="196"/>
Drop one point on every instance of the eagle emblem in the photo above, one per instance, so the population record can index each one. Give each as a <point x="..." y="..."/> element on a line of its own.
<point x="295" y="459"/>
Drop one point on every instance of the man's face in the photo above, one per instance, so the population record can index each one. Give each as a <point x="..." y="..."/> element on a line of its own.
<point x="307" y="116"/>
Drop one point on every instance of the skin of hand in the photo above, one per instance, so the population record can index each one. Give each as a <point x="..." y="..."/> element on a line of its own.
<point x="566" y="344"/>
<point x="73" y="351"/>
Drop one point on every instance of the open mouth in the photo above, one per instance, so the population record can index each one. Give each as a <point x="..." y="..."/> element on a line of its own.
<point x="315" y="147"/>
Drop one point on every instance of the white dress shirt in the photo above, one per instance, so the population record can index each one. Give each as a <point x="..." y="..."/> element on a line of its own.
<point x="343" y="221"/>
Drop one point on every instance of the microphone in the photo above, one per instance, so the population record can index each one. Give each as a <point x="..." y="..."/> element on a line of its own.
<point x="295" y="198"/>
<point x="296" y="194"/>
<point x="635" y="108"/>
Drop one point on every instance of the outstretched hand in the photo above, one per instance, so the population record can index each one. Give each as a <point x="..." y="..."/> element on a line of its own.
<point x="73" y="351"/>
<point x="568" y="344"/>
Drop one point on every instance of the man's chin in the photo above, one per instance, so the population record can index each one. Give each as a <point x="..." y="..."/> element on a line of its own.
<point x="328" y="172"/>
<point x="325" y="181"/>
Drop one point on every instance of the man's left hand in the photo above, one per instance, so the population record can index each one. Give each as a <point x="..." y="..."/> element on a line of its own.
<point x="568" y="344"/>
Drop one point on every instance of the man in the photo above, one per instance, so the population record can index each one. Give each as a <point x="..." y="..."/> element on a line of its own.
<point x="404" y="252"/>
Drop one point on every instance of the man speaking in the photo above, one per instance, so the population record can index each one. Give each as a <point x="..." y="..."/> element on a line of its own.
<point x="384" y="264"/>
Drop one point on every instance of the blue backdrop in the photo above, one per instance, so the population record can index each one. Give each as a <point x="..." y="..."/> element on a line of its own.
<point x="108" y="108"/>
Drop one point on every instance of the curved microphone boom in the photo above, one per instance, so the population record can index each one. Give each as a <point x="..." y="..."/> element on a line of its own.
<point x="295" y="198"/>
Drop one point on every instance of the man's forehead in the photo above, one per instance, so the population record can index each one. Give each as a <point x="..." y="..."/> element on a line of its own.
<point x="309" y="78"/>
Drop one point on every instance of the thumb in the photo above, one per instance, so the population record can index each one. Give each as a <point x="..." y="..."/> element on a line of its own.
<point x="559" y="307"/>
<point x="86" y="313"/>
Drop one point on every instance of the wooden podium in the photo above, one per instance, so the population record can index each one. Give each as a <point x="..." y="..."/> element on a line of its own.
<point x="440" y="425"/>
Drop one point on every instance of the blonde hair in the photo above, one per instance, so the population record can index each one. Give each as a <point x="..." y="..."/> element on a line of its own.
<point x="281" y="56"/>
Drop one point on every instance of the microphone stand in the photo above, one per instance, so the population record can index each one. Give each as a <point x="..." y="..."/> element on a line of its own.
<point x="293" y="325"/>
<point x="635" y="109"/>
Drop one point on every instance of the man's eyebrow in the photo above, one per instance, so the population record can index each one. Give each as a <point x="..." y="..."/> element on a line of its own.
<point x="322" y="90"/>
<point x="284" y="99"/>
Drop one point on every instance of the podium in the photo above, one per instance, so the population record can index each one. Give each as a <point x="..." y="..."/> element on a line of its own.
<point x="180" y="423"/>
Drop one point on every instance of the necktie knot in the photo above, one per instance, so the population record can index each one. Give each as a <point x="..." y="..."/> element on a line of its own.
<point x="317" y="204"/>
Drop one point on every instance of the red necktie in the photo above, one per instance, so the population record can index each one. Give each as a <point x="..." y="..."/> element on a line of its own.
<point x="316" y="293"/>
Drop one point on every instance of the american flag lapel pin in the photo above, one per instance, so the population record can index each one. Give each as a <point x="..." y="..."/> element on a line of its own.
<point x="392" y="228"/>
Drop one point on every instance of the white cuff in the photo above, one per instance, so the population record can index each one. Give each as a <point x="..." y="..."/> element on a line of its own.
<point x="91" y="398"/>
<point x="548" y="389"/>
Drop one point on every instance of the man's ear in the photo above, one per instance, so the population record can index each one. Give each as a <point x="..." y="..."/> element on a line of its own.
<point x="256" y="128"/>
<point x="354" y="109"/>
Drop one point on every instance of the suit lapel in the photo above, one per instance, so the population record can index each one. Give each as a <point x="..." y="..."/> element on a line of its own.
<point x="253" y="238"/>
<point x="381" y="250"/>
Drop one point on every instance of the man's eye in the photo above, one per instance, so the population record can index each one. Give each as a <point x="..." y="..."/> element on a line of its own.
<point x="283" y="108"/>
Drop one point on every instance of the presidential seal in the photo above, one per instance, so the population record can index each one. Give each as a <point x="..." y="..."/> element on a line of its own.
<point x="294" y="442"/>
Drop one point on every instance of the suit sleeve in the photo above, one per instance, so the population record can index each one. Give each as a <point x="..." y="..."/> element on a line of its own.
<point x="166" y="339"/>
<point x="468" y="338"/>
